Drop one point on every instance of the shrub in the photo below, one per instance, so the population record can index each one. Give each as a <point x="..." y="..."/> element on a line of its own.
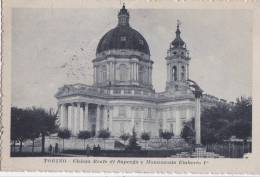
<point x="84" y="135"/>
<point x="64" y="134"/>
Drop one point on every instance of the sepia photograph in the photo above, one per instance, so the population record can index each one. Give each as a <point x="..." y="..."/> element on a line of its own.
<point x="131" y="83"/>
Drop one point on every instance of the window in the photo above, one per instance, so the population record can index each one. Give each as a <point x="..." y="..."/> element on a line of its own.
<point x="122" y="111"/>
<point x="103" y="74"/>
<point x="123" y="38"/>
<point x="137" y="92"/>
<point x="137" y="113"/>
<point x="141" y="42"/>
<point x="174" y="73"/>
<point x="121" y="128"/>
<point x="182" y="73"/>
<point x="127" y="91"/>
<point x="93" y="129"/>
<point x="141" y="74"/>
<point x="123" y="72"/>
<point x="117" y="91"/>
<point x="171" y="127"/>
<point x="149" y="112"/>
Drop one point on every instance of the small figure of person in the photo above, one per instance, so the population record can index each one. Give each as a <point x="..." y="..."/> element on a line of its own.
<point x="98" y="148"/>
<point x="50" y="149"/>
<point x="88" y="150"/>
<point x="94" y="149"/>
<point x="56" y="148"/>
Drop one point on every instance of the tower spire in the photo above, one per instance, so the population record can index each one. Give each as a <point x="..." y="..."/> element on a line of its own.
<point x="178" y="32"/>
<point x="178" y="42"/>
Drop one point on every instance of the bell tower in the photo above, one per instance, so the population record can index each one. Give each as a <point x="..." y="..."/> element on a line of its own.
<point x="177" y="64"/>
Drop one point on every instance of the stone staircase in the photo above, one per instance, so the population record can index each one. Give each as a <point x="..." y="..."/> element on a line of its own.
<point x="200" y="152"/>
<point x="160" y="144"/>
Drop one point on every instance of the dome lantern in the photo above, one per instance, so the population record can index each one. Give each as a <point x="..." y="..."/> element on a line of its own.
<point x="123" y="16"/>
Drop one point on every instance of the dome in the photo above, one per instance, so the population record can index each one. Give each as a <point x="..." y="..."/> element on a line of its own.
<point x="123" y="37"/>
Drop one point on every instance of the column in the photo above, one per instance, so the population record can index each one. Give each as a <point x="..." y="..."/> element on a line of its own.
<point x="177" y="123"/>
<point x="197" y="121"/>
<point x="142" y="121"/>
<point x="132" y="118"/>
<point x="151" y="75"/>
<point x="98" y="120"/>
<point x="137" y="72"/>
<point x="179" y="72"/>
<point x="77" y="119"/>
<point x="114" y="69"/>
<point x="81" y="120"/>
<point x="110" y="119"/>
<point x="188" y="114"/>
<point x="168" y="72"/>
<point x="111" y="71"/>
<point x="85" y="120"/>
<point x="105" y="118"/>
<point x="164" y="119"/>
<point x="148" y="74"/>
<point x="72" y="123"/>
<point x="65" y="119"/>
<point x="94" y="75"/>
<point x="108" y="71"/>
<point x="133" y="75"/>
<point x="62" y="112"/>
<point x="187" y="70"/>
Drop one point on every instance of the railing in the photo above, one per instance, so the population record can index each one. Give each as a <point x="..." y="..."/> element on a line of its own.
<point x="82" y="89"/>
<point x="123" y="52"/>
<point x="230" y="150"/>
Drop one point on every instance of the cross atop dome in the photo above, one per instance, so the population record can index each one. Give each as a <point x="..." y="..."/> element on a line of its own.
<point x="123" y="16"/>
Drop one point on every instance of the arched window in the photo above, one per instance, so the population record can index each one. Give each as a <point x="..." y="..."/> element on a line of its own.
<point x="122" y="128"/>
<point x="149" y="112"/>
<point x="141" y="74"/>
<point x="122" y="111"/>
<point x="122" y="72"/>
<point x="174" y="73"/>
<point x="103" y="73"/>
<point x="182" y="73"/>
<point x="171" y="127"/>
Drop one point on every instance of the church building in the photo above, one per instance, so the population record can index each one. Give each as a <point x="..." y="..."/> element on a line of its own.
<point x="122" y="97"/>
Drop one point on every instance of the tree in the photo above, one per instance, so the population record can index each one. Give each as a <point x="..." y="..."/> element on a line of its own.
<point x="104" y="134"/>
<point x="32" y="137"/>
<point x="84" y="135"/>
<point x="146" y="137"/>
<point x="47" y="124"/>
<point x="19" y="127"/>
<point x="224" y="120"/>
<point x="167" y="135"/>
<point x="64" y="134"/>
<point x="188" y="131"/>
<point x="33" y="125"/>
<point x="125" y="137"/>
<point x="30" y="123"/>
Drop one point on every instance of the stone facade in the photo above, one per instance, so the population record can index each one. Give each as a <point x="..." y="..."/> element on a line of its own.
<point x="122" y="97"/>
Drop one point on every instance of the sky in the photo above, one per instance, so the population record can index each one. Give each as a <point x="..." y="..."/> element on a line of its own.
<point x="53" y="47"/>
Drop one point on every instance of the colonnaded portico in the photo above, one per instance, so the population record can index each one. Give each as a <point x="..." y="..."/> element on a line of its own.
<point x="93" y="117"/>
<point x="80" y="116"/>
